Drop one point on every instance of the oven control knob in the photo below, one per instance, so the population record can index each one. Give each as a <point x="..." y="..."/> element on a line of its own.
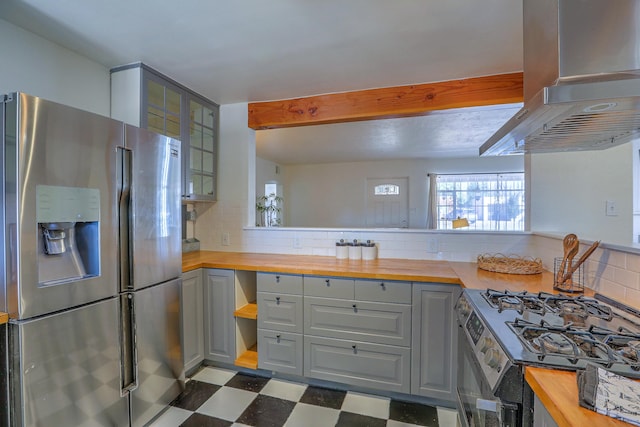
<point x="493" y="358"/>
<point x="485" y="344"/>
<point x="463" y="307"/>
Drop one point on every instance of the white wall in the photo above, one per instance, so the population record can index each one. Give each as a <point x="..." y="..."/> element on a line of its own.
<point x="569" y="192"/>
<point x="38" y="67"/>
<point x="334" y="195"/>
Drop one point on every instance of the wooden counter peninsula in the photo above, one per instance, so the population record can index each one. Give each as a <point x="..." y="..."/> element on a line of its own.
<point x="558" y="392"/>
<point x="388" y="269"/>
<point x="556" y="389"/>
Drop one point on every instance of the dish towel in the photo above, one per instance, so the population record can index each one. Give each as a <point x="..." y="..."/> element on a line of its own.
<point x="609" y="394"/>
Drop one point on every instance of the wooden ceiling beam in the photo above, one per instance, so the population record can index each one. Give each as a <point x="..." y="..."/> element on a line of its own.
<point x="384" y="103"/>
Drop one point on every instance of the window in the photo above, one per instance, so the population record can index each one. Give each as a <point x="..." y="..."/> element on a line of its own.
<point x="488" y="201"/>
<point x="269" y="206"/>
<point x="386" y="190"/>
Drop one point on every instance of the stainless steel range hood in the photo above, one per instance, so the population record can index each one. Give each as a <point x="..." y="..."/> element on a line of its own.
<point x="581" y="78"/>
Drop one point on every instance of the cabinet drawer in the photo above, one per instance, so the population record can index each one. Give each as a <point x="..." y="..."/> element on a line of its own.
<point x="276" y="282"/>
<point x="280" y="352"/>
<point x="280" y="312"/>
<point x="329" y="287"/>
<point x="365" y="321"/>
<point x="383" y="291"/>
<point x="362" y="364"/>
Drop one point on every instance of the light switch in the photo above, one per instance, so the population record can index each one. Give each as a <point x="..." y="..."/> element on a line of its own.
<point x="612" y="208"/>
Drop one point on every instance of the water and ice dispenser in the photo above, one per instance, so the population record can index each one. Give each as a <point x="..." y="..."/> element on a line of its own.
<point x="68" y="233"/>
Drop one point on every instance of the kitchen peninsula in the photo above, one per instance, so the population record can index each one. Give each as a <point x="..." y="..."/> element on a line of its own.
<point x="464" y="274"/>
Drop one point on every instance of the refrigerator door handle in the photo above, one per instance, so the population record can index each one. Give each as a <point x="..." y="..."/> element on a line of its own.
<point x="124" y="217"/>
<point x="129" y="356"/>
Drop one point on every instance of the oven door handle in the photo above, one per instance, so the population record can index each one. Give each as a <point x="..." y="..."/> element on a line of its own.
<point x="507" y="412"/>
<point x="488" y="405"/>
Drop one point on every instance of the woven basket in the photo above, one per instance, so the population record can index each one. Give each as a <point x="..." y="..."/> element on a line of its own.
<point x="512" y="264"/>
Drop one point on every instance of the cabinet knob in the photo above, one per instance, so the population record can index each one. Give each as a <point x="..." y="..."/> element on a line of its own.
<point x="382" y="285"/>
<point x="277" y="300"/>
<point x="327" y="281"/>
<point x="355" y="307"/>
<point x="277" y="279"/>
<point x="278" y="338"/>
<point x="354" y="347"/>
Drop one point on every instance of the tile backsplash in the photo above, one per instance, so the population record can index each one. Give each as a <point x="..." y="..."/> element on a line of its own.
<point x="612" y="272"/>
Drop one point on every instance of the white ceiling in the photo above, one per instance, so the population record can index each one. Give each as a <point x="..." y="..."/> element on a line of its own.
<point x="256" y="50"/>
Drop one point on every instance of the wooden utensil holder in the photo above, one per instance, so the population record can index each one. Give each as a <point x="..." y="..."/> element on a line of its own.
<point x="575" y="284"/>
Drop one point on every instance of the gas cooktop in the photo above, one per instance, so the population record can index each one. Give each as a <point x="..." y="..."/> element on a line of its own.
<point x="554" y="330"/>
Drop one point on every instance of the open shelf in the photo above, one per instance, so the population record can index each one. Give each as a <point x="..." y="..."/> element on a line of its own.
<point x="249" y="311"/>
<point x="248" y="359"/>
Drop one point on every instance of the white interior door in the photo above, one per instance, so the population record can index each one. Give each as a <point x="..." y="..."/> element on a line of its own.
<point x="387" y="202"/>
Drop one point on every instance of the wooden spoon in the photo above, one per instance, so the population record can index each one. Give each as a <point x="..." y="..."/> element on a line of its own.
<point x="572" y="268"/>
<point x="570" y="244"/>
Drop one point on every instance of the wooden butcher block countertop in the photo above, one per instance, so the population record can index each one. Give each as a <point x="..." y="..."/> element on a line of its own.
<point x="388" y="269"/>
<point x="557" y="390"/>
<point x="4" y="318"/>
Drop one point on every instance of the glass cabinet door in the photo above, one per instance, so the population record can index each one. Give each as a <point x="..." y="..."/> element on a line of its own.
<point x="202" y="148"/>
<point x="163" y="109"/>
<point x="174" y="111"/>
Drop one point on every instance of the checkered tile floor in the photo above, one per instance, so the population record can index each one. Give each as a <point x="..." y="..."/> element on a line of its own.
<point x="217" y="397"/>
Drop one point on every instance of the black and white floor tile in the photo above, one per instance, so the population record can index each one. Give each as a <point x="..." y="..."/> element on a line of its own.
<point x="216" y="397"/>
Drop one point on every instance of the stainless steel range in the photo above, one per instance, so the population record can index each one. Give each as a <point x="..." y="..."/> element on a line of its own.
<point x="501" y="332"/>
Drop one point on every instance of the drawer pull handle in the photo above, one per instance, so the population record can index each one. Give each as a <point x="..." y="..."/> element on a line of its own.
<point x="277" y="300"/>
<point x="277" y="279"/>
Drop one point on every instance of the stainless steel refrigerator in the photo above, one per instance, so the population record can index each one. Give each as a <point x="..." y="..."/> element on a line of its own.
<point x="91" y="258"/>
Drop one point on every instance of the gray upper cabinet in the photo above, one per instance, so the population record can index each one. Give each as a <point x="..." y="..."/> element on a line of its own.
<point x="143" y="97"/>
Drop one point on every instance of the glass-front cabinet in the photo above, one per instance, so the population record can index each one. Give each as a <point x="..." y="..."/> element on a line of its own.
<point x="143" y="97"/>
<point x="203" y="148"/>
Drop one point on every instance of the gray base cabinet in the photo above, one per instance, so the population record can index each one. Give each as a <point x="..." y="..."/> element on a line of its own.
<point x="357" y="363"/>
<point x="434" y="341"/>
<point x="280" y="344"/>
<point x="280" y="351"/>
<point x="219" y="325"/>
<point x="358" y="332"/>
<point x="382" y="323"/>
<point x="192" y="309"/>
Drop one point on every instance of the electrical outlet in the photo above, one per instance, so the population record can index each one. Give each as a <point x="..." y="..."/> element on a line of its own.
<point x="432" y="245"/>
<point x="226" y="240"/>
<point x="612" y="208"/>
<point x="297" y="242"/>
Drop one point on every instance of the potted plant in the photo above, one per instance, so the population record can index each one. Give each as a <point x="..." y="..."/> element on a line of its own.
<point x="269" y="208"/>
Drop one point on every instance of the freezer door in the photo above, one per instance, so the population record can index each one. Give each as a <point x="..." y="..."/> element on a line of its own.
<point x="160" y="370"/>
<point x="59" y="176"/>
<point x="156" y="245"/>
<point x="65" y="369"/>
